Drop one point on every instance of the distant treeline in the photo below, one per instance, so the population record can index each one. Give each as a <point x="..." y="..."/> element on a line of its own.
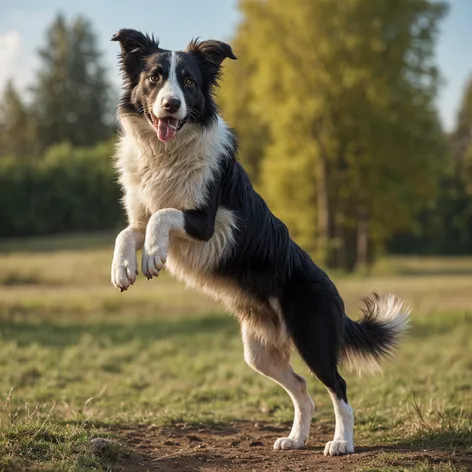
<point x="56" y="141"/>
<point x="334" y="105"/>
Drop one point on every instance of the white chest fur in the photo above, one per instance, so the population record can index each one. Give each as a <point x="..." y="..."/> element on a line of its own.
<point x="181" y="186"/>
<point x="172" y="175"/>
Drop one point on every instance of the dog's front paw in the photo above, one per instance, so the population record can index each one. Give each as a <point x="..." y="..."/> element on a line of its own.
<point x="123" y="272"/>
<point x="289" y="443"/>
<point x="338" y="448"/>
<point x="154" y="256"/>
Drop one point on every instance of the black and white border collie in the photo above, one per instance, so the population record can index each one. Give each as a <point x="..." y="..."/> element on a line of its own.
<point x="191" y="207"/>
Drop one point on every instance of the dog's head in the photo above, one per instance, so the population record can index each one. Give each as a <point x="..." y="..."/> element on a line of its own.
<point x="170" y="88"/>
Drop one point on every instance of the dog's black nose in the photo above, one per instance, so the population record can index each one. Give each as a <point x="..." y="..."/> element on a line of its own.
<point x="171" y="104"/>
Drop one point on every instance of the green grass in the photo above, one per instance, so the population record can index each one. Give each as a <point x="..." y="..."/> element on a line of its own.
<point x="77" y="357"/>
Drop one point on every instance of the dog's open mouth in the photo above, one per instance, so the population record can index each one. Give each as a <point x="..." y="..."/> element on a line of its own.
<point x="166" y="127"/>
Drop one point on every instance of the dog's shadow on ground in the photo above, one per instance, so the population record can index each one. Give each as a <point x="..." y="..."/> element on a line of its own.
<point x="56" y="334"/>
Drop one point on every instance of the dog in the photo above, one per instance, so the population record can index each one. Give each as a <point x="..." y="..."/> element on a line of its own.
<point x="191" y="207"/>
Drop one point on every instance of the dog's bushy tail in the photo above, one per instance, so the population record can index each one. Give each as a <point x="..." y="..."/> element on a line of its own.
<point x="377" y="335"/>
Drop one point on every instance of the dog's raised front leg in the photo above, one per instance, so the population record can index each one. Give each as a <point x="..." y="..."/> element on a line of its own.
<point x="194" y="225"/>
<point x="124" y="267"/>
<point x="156" y="242"/>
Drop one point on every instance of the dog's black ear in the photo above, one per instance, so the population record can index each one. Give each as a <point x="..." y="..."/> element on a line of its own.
<point x="135" y="42"/>
<point x="212" y="53"/>
<point x="135" y="46"/>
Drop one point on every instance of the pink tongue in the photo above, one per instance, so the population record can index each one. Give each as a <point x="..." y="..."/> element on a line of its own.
<point x="166" y="129"/>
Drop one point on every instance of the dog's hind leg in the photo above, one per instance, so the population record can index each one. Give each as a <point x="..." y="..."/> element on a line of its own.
<point x="343" y="441"/>
<point x="273" y="361"/>
<point x="314" y="319"/>
<point x="327" y="372"/>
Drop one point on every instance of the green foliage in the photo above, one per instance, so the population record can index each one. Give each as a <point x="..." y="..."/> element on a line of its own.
<point x="237" y="99"/>
<point x="51" y="178"/>
<point x="445" y="226"/>
<point x="18" y="133"/>
<point x="72" y="93"/>
<point x="344" y="91"/>
<point x="70" y="189"/>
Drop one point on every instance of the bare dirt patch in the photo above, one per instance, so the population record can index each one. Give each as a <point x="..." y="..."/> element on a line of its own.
<point x="245" y="446"/>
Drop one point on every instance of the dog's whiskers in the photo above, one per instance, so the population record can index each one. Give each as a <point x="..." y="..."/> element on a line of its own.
<point x="193" y="113"/>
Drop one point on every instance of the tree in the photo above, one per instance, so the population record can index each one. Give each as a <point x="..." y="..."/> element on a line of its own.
<point x="445" y="226"/>
<point x="236" y="98"/>
<point x="72" y="96"/>
<point x="346" y="91"/>
<point x="461" y="138"/>
<point x="17" y="126"/>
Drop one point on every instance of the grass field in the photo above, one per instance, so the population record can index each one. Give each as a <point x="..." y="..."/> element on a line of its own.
<point x="158" y="371"/>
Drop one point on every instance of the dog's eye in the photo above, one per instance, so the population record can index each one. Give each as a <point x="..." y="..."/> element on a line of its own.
<point x="154" y="78"/>
<point x="188" y="82"/>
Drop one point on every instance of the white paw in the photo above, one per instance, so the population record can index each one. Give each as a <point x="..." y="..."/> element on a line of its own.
<point x="288" y="443"/>
<point x="154" y="256"/>
<point x="338" y="448"/>
<point x="124" y="272"/>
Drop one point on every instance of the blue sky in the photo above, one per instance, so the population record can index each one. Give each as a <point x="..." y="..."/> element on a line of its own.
<point x="23" y="22"/>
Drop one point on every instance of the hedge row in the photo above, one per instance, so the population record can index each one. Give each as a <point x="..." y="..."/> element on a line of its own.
<point x="69" y="189"/>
